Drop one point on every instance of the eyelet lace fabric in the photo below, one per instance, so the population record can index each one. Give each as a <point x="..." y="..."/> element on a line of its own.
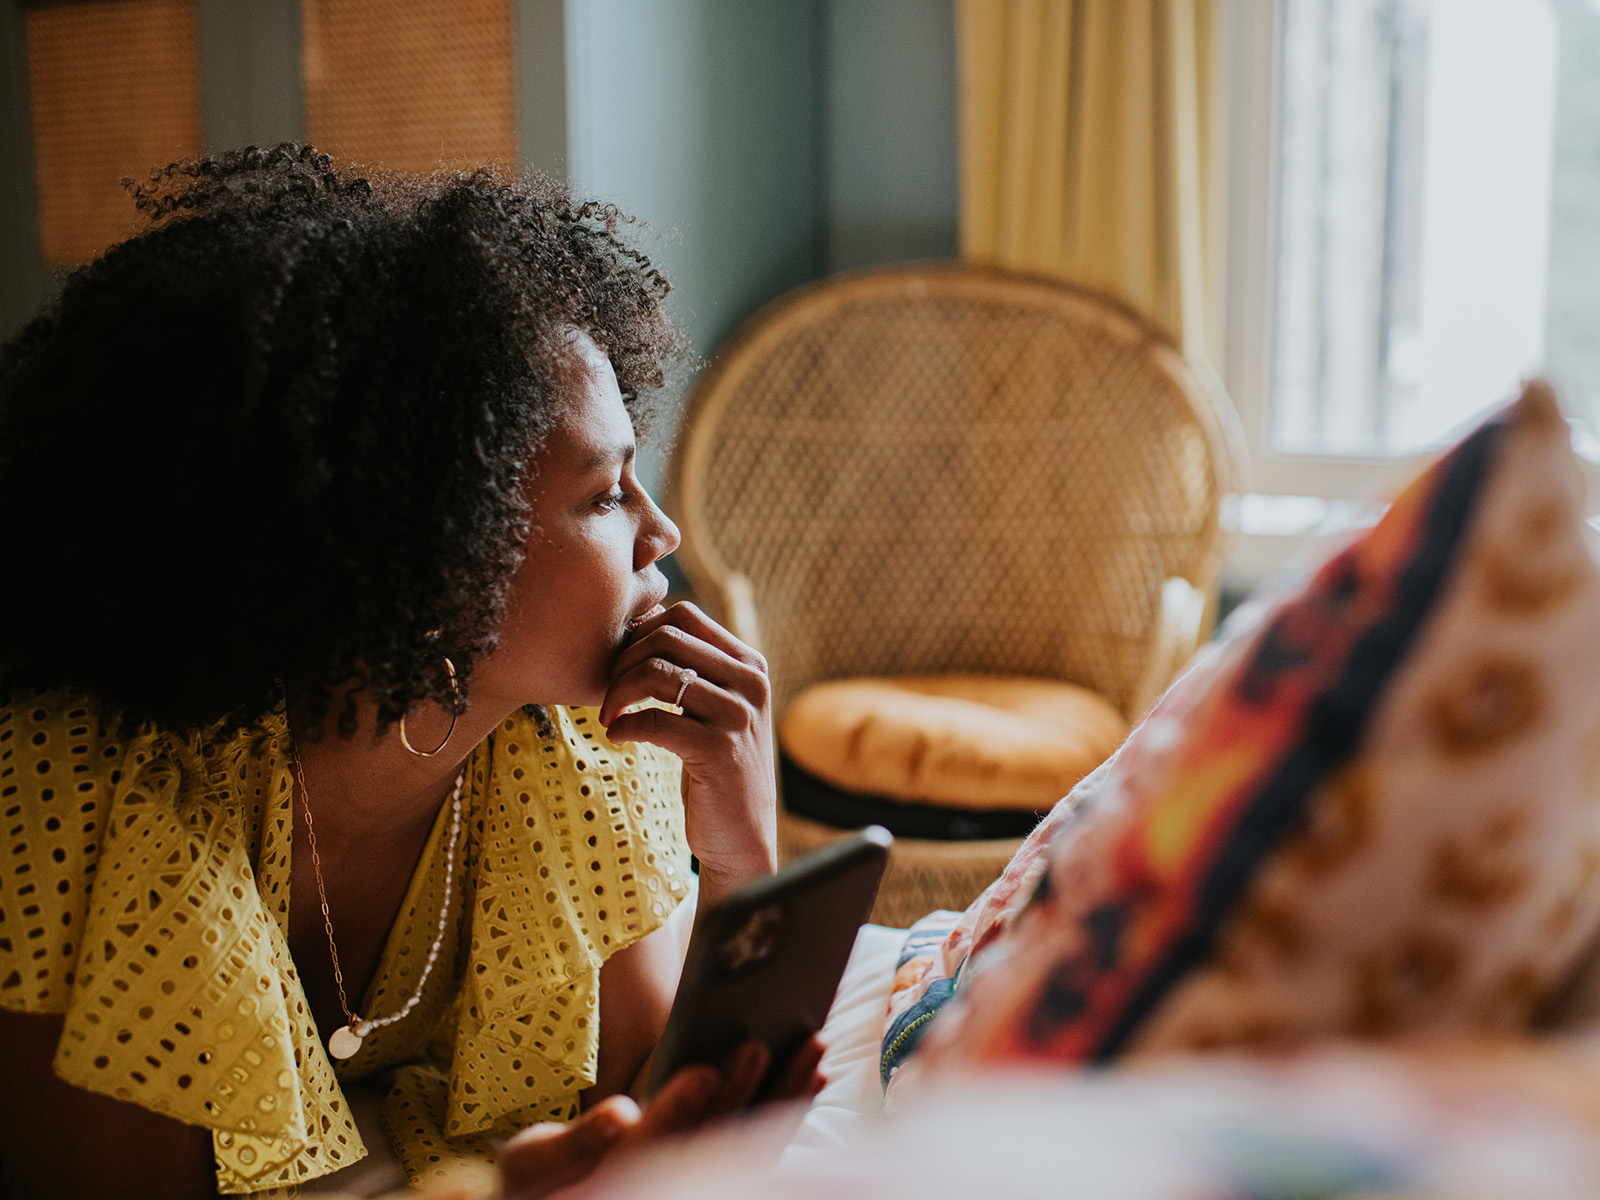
<point x="145" y="899"/>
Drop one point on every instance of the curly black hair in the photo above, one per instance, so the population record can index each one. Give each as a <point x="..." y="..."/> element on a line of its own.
<point x="280" y="439"/>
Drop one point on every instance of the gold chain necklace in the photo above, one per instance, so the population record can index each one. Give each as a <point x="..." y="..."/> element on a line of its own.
<point x="346" y="1040"/>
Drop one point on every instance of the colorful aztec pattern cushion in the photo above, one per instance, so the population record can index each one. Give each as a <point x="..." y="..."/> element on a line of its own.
<point x="1374" y="810"/>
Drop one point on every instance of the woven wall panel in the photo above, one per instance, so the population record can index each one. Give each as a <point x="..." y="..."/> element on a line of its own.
<point x="410" y="84"/>
<point x="115" y="91"/>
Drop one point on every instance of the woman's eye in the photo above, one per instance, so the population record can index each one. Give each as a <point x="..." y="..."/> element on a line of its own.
<point x="613" y="500"/>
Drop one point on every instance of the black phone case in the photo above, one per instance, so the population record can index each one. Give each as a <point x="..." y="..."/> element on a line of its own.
<point x="765" y="963"/>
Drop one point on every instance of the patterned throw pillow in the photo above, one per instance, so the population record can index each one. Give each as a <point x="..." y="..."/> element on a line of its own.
<point x="1375" y="810"/>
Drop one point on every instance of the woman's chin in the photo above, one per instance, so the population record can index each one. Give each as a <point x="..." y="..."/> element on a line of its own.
<point x="591" y="697"/>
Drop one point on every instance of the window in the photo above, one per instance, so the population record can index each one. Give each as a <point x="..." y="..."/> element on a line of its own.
<point x="1415" y="228"/>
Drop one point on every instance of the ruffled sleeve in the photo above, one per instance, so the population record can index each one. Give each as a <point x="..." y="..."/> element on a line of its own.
<point x="55" y="826"/>
<point x="580" y="852"/>
<point x="145" y="900"/>
<point x="173" y="981"/>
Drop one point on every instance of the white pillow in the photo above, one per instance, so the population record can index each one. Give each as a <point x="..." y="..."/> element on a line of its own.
<point x="851" y="1039"/>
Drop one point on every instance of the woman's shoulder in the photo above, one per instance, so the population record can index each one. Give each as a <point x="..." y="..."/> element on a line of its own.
<point x="142" y="902"/>
<point x="69" y="734"/>
<point x="70" y="778"/>
<point x="60" y="763"/>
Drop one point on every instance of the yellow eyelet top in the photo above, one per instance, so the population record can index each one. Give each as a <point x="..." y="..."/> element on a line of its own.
<point x="145" y="898"/>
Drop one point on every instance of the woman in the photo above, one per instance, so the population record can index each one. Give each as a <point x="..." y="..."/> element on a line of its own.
<point x="322" y="531"/>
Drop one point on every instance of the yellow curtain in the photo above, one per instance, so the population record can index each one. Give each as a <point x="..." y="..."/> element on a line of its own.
<point x="1090" y="150"/>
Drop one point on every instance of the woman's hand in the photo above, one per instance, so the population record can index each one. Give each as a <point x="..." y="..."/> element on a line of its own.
<point x="723" y="736"/>
<point x="545" y="1158"/>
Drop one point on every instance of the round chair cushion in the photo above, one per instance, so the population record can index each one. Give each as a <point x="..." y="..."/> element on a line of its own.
<point x="968" y="741"/>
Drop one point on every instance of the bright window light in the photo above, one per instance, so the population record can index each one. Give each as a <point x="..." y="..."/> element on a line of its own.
<point x="1260" y="514"/>
<point x="1438" y="199"/>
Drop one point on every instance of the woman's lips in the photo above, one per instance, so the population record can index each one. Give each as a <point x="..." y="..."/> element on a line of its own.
<point x="634" y="624"/>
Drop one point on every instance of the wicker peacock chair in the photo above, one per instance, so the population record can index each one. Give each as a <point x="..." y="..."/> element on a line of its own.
<point x="936" y="468"/>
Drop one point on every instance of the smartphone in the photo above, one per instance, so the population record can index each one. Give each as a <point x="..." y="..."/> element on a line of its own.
<point x="764" y="964"/>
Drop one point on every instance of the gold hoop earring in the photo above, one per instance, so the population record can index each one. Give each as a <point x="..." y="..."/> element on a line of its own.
<point x="455" y="692"/>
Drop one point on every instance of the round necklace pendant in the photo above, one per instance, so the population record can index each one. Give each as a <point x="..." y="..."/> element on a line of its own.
<point x="344" y="1042"/>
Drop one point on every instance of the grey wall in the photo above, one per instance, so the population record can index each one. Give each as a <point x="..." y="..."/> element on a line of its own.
<point x="764" y="142"/>
<point x="703" y="117"/>
<point x="541" y="50"/>
<point x="767" y="141"/>
<point x="250" y="85"/>
<point x="890" y="131"/>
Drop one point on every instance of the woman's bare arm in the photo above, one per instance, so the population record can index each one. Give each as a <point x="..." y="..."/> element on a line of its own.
<point x="60" y="1141"/>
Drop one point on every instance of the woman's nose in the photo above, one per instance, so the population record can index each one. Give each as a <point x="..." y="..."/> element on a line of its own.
<point x="658" y="536"/>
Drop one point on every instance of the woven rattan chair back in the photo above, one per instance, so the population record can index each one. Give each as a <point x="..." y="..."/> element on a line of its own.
<point x="943" y="469"/>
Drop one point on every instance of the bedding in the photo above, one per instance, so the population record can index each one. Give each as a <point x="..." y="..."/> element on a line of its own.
<point x="1371" y="811"/>
<point x="852" y="1094"/>
<point x="1474" y="1119"/>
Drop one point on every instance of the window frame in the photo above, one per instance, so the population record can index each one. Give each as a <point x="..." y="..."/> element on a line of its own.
<point x="1251" y="37"/>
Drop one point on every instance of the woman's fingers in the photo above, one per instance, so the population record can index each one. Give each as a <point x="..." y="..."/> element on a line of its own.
<point x="801" y="1079"/>
<point x="546" y="1157"/>
<point x="708" y="698"/>
<point x="722" y="734"/>
<point x="679" y="638"/>
<point x="742" y="1074"/>
<point x="655" y="665"/>
<point x="682" y="1103"/>
<point x="686" y="647"/>
<point x="692" y="621"/>
<point x="720" y="693"/>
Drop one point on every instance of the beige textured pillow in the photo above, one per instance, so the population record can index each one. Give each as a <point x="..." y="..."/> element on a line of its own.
<point x="970" y="741"/>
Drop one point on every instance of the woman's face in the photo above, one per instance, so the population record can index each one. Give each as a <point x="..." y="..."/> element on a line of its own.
<point x="589" y="568"/>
